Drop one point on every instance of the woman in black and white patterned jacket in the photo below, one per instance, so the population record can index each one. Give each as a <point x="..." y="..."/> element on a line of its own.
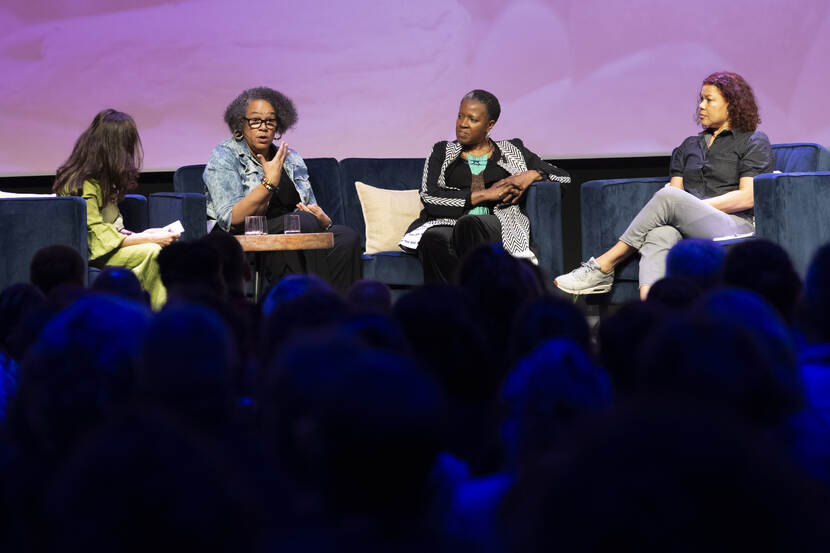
<point x="472" y="189"/>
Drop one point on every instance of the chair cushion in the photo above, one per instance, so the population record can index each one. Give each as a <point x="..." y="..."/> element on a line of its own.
<point x="393" y="268"/>
<point x="387" y="214"/>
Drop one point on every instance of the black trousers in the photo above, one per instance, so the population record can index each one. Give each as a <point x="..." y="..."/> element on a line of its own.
<point x="340" y="266"/>
<point x="441" y="247"/>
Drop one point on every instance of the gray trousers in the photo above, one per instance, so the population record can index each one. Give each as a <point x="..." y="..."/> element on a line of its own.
<point x="669" y="216"/>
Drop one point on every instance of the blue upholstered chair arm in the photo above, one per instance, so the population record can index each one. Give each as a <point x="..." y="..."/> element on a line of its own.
<point x="609" y="206"/>
<point x="791" y="209"/>
<point x="187" y="207"/>
<point x="135" y="212"/>
<point x="544" y="209"/>
<point x="29" y="224"/>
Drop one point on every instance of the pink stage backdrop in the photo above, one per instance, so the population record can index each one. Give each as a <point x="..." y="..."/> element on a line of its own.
<point x="382" y="78"/>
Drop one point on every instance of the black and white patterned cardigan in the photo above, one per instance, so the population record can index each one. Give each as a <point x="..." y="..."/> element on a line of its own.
<point x="515" y="226"/>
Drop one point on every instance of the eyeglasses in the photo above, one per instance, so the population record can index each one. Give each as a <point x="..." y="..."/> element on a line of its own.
<point x="256" y="123"/>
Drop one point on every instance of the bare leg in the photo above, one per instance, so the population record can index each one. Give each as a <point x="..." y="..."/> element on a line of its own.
<point x="612" y="257"/>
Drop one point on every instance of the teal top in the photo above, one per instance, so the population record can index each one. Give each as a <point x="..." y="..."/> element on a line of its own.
<point x="477" y="165"/>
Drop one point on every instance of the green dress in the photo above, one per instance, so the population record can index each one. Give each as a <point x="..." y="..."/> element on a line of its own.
<point x="104" y="239"/>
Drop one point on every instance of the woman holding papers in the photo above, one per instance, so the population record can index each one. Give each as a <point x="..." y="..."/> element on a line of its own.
<point x="102" y="168"/>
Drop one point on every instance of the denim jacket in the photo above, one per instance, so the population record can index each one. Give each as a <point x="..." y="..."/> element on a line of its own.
<point x="233" y="171"/>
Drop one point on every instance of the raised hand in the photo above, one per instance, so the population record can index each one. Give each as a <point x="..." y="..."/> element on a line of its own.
<point x="273" y="168"/>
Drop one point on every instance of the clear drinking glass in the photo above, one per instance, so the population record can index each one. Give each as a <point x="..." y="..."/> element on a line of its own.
<point x="255" y="224"/>
<point x="292" y="223"/>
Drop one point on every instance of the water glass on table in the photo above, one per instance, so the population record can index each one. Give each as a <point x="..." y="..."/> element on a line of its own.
<point x="292" y="223"/>
<point x="255" y="224"/>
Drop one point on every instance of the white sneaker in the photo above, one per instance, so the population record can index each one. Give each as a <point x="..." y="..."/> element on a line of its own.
<point x="588" y="278"/>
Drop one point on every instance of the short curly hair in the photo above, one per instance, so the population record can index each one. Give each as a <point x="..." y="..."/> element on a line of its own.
<point x="742" y="107"/>
<point x="283" y="106"/>
<point x="488" y="99"/>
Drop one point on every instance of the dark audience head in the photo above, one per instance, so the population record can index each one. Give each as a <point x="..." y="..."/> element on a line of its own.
<point x="78" y="372"/>
<point x="697" y="260"/>
<point x="143" y="482"/>
<point x="498" y="285"/>
<point x="545" y="395"/>
<point x="544" y="318"/>
<point x="718" y="363"/>
<point x="457" y="357"/>
<point x="16" y="303"/>
<point x="235" y="269"/>
<point x="357" y="428"/>
<point x="301" y="310"/>
<point x="376" y="331"/>
<point x="28" y="329"/>
<point x="191" y="268"/>
<point x="121" y="282"/>
<point x="667" y="477"/>
<point x="748" y="311"/>
<point x="489" y="272"/>
<point x="816" y="301"/>
<point x="765" y="268"/>
<point x="622" y="336"/>
<point x="674" y="292"/>
<point x="370" y="296"/>
<point x="291" y="287"/>
<point x="55" y="265"/>
<point x="186" y="364"/>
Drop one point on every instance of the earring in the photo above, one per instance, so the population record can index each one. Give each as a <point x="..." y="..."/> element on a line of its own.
<point x="238" y="135"/>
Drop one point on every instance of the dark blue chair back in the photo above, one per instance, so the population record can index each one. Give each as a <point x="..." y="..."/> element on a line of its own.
<point x="801" y="157"/>
<point x="188" y="178"/>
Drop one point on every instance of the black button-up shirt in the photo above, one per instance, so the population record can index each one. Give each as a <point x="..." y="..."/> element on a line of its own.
<point x="715" y="170"/>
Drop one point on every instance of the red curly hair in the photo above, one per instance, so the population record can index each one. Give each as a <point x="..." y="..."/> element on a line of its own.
<point x="742" y="107"/>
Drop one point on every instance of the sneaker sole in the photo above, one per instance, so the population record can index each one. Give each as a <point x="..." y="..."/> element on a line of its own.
<point x="601" y="289"/>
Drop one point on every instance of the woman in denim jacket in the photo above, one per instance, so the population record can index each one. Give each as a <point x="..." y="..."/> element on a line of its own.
<point x="248" y="174"/>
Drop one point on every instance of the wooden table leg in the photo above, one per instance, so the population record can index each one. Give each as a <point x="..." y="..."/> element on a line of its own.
<point x="257" y="276"/>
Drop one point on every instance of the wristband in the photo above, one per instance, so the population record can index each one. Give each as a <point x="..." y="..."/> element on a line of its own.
<point x="267" y="184"/>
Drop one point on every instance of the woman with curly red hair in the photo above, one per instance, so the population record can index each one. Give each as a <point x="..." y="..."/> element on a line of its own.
<point x="710" y="193"/>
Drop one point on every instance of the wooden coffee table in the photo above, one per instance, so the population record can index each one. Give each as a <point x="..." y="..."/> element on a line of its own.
<point x="259" y="244"/>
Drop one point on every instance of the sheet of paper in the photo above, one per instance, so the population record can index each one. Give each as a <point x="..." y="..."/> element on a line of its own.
<point x="174" y="228"/>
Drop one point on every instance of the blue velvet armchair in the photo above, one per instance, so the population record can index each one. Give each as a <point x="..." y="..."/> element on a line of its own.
<point x="790" y="209"/>
<point x="34" y="222"/>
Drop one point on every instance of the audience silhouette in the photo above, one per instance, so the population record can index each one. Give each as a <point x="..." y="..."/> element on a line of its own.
<point x="484" y="415"/>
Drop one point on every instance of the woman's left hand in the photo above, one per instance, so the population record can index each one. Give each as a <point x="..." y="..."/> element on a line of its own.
<point x="317" y="211"/>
